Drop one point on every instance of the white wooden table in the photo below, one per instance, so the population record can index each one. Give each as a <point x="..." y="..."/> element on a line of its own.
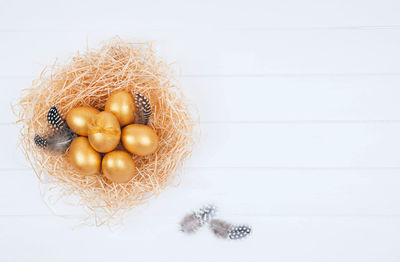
<point x="299" y="105"/>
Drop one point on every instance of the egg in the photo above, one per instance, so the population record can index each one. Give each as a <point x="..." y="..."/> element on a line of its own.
<point x="83" y="157"/>
<point x="122" y="105"/>
<point x="118" y="166"/>
<point x="78" y="119"/>
<point x="104" y="132"/>
<point x="139" y="139"/>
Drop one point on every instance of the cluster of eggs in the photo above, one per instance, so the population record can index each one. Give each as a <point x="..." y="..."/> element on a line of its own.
<point x="100" y="133"/>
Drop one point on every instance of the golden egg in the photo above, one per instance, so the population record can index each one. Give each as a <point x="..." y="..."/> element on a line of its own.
<point x="78" y="119"/>
<point x="104" y="132"/>
<point x="118" y="166"/>
<point x="139" y="139"/>
<point x="122" y="105"/>
<point x="83" y="157"/>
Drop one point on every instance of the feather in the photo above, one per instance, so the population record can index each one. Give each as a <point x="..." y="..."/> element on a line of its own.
<point x="206" y="213"/>
<point x="143" y="109"/>
<point x="40" y="141"/>
<point x="225" y="230"/>
<point x="54" y="118"/>
<point x="61" y="137"/>
<point x="190" y="223"/>
<point x="239" y="232"/>
<point x="57" y="142"/>
<point x="61" y="140"/>
<point x="220" y="228"/>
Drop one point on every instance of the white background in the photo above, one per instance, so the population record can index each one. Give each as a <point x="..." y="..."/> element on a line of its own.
<point x="299" y="106"/>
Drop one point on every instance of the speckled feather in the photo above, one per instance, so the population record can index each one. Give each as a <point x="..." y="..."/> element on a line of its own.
<point x="55" y="119"/>
<point x="192" y="222"/>
<point x="239" y="232"/>
<point x="226" y="230"/>
<point x="40" y="141"/>
<point x="206" y="213"/>
<point x="143" y="109"/>
<point x="61" y="137"/>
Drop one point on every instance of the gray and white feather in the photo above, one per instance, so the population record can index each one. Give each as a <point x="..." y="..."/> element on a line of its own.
<point x="220" y="228"/>
<point x="192" y="222"/>
<point x="239" y="232"/>
<point x="226" y="230"/>
<point x="206" y="213"/>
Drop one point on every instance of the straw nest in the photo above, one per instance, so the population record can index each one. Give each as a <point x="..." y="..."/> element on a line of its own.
<point x="88" y="78"/>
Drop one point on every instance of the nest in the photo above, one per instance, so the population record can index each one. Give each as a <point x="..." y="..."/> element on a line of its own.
<point x="88" y="79"/>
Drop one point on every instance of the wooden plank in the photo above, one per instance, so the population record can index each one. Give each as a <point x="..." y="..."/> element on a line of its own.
<point x="157" y="238"/>
<point x="275" y="145"/>
<point x="299" y="145"/>
<point x="102" y="16"/>
<point x="250" y="192"/>
<point x="273" y="99"/>
<point x="225" y="53"/>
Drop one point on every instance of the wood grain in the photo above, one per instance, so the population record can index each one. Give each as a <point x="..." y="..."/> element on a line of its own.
<point x="300" y="119"/>
<point x="224" y="52"/>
